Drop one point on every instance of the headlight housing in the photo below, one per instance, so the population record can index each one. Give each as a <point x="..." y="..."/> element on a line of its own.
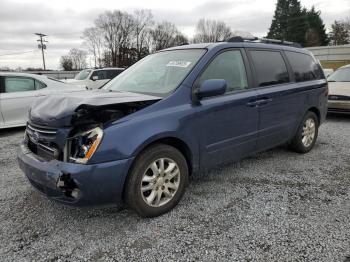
<point x="83" y="145"/>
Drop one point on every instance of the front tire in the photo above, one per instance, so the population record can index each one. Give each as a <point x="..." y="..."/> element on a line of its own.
<point x="157" y="181"/>
<point x="306" y="136"/>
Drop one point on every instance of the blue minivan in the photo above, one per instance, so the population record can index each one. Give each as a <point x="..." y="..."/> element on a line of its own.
<point x="180" y="110"/>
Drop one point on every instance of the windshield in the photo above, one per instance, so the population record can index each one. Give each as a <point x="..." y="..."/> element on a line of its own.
<point x="341" y="75"/>
<point x="82" y="75"/>
<point x="157" y="74"/>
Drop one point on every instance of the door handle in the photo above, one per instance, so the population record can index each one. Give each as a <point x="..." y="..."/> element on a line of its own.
<point x="263" y="101"/>
<point x="252" y="103"/>
<point x="260" y="102"/>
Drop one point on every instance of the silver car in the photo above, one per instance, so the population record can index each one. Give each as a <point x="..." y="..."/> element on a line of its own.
<point x="339" y="91"/>
<point x="18" y="91"/>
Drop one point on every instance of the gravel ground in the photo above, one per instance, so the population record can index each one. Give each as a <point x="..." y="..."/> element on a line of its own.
<point x="275" y="206"/>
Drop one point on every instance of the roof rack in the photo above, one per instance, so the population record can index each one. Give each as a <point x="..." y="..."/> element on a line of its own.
<point x="262" y="40"/>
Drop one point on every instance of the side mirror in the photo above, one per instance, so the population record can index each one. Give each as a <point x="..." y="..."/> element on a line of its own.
<point x="94" y="78"/>
<point x="211" y="87"/>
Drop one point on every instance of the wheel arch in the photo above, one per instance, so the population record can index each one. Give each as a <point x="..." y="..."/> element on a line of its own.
<point x="317" y="112"/>
<point x="173" y="141"/>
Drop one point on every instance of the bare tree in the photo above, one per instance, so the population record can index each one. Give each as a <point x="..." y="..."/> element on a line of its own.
<point x="166" y="35"/>
<point x="110" y="23"/>
<point x="120" y="39"/>
<point x="117" y="29"/>
<point x="66" y="63"/>
<point x="180" y="39"/>
<point x="125" y="38"/>
<point x="211" y="31"/>
<point x="78" y="58"/>
<point x="94" y="41"/>
<point x="143" y="20"/>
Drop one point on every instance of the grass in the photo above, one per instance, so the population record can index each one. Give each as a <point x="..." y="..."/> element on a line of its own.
<point x="334" y="64"/>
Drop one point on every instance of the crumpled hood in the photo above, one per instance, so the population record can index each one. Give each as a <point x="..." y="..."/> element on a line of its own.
<point x="57" y="110"/>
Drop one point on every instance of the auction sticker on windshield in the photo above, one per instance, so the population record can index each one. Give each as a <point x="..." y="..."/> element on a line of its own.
<point x="179" y="63"/>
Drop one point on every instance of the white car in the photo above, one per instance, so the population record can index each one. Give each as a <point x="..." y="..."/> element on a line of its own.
<point x="18" y="91"/>
<point x="95" y="78"/>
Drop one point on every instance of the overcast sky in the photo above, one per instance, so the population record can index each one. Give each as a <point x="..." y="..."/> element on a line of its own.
<point x="64" y="20"/>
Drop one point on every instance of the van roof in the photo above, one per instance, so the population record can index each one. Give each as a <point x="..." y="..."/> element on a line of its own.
<point x="223" y="45"/>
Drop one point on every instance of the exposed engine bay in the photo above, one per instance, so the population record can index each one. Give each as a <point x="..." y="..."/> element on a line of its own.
<point x="68" y="127"/>
<point x="90" y="115"/>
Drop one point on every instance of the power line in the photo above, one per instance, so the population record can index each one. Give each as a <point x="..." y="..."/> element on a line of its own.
<point x="18" y="53"/>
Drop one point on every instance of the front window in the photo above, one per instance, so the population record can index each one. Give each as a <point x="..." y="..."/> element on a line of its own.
<point x="341" y="75"/>
<point x="19" y="84"/>
<point x="229" y="66"/>
<point x="82" y="75"/>
<point x="158" y="74"/>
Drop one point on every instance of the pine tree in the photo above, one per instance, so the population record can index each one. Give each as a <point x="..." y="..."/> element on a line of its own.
<point x="288" y="22"/>
<point x="278" y="25"/>
<point x="296" y="23"/>
<point x="339" y="35"/>
<point x="293" y="23"/>
<point x="316" y="33"/>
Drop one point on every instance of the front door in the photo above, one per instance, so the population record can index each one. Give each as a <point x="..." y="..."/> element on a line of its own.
<point x="227" y="124"/>
<point x="18" y="93"/>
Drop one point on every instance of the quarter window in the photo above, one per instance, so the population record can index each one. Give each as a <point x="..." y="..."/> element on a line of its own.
<point x="19" y="84"/>
<point x="39" y="85"/>
<point x="270" y="68"/>
<point x="229" y="66"/>
<point x="304" y="66"/>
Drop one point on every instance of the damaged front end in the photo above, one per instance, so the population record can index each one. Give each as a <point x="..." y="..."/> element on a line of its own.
<point x="74" y="142"/>
<point x="87" y="128"/>
<point x="69" y="127"/>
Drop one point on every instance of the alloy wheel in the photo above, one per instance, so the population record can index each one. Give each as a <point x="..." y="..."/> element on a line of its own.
<point x="160" y="182"/>
<point x="309" y="131"/>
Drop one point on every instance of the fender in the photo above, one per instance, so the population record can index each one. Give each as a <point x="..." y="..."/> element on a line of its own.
<point x="127" y="139"/>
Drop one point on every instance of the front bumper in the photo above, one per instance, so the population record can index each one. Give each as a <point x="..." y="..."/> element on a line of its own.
<point x="97" y="185"/>
<point x="335" y="106"/>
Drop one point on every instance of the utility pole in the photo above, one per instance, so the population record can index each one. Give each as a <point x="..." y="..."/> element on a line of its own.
<point x="42" y="46"/>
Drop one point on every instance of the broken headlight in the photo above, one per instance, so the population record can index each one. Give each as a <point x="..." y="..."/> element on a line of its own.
<point x="83" y="145"/>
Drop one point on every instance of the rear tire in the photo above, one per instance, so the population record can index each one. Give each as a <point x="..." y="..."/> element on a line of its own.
<point x="306" y="136"/>
<point x="157" y="181"/>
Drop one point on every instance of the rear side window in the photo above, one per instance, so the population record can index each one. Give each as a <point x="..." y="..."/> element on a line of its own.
<point x="304" y="66"/>
<point x="101" y="74"/>
<point x="113" y="73"/>
<point x="229" y="66"/>
<point x="270" y="68"/>
<point x="19" y="84"/>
